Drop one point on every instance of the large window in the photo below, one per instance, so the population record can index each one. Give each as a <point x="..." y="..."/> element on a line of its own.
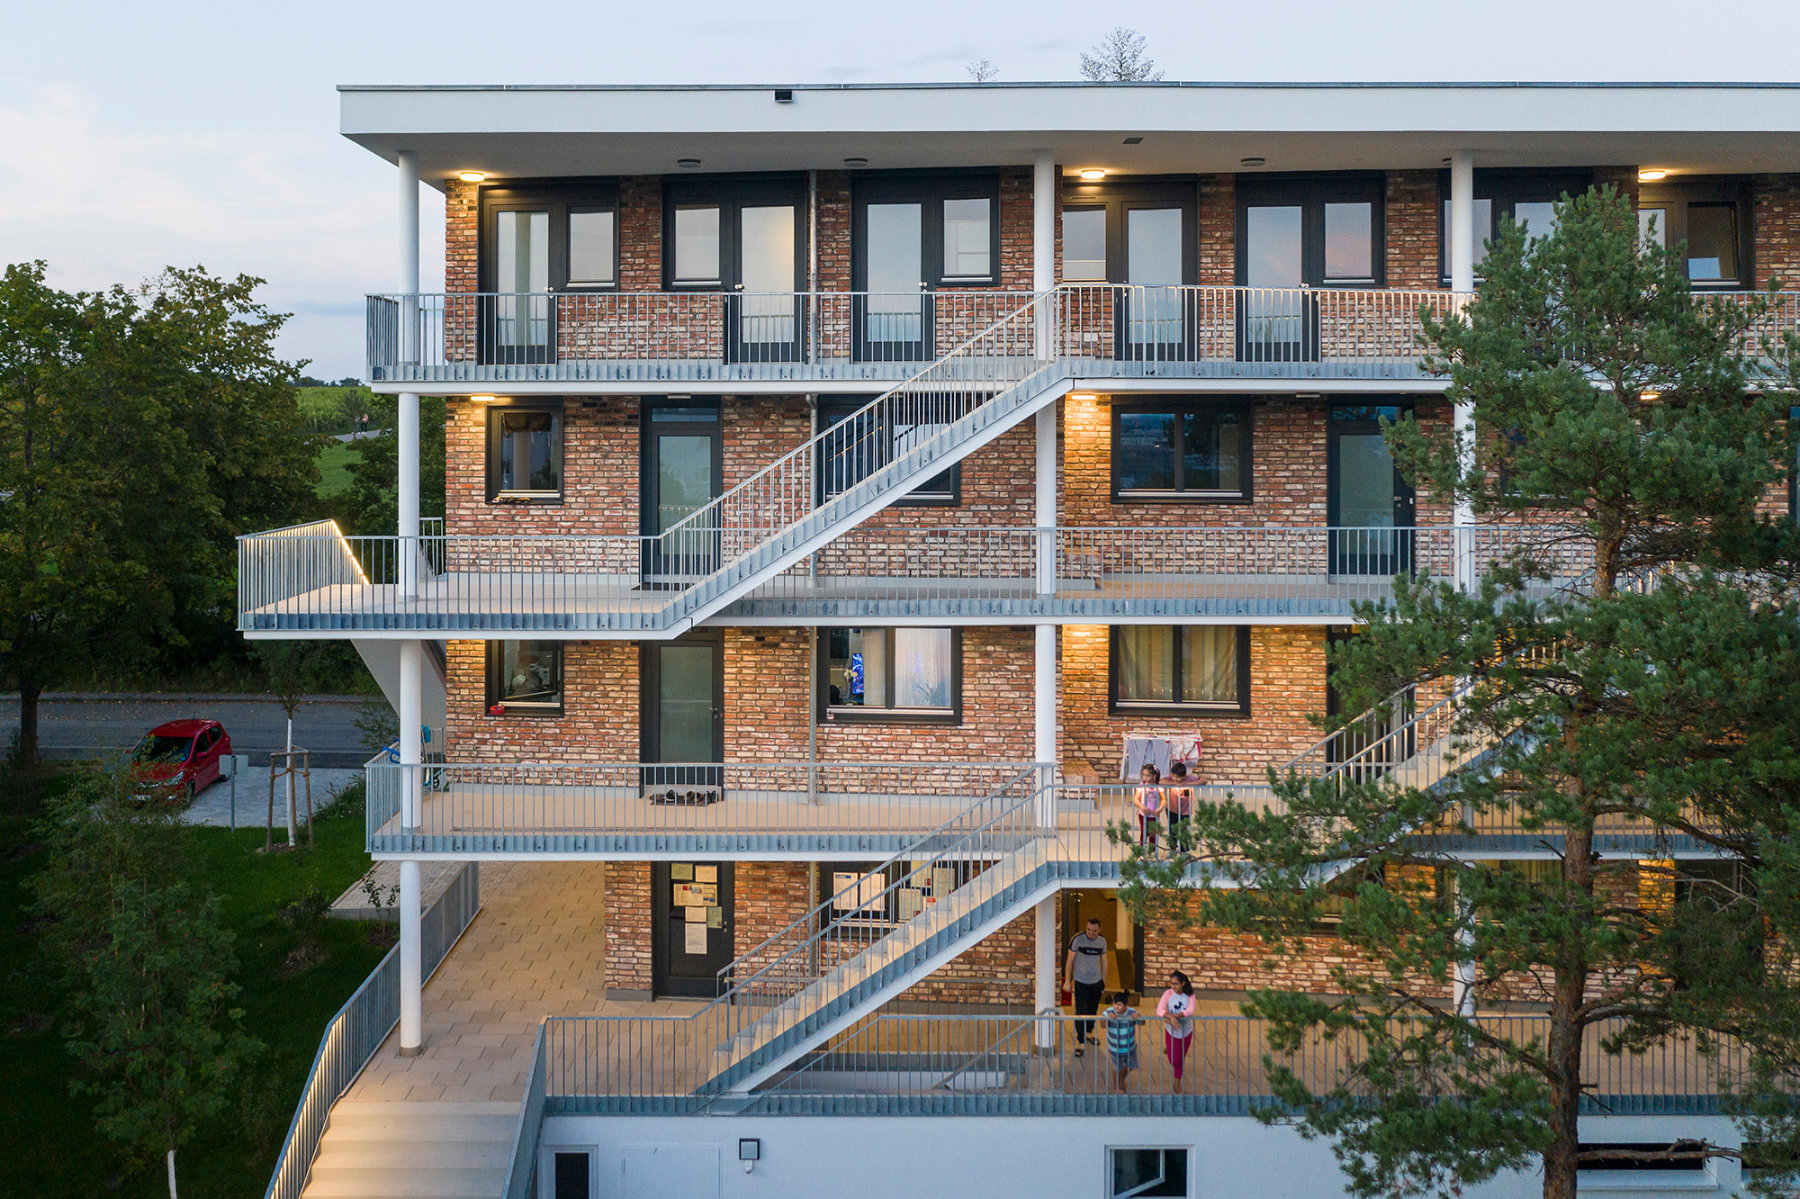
<point x="1180" y="450"/>
<point x="737" y="234"/>
<point x="864" y="444"/>
<point x="1708" y="217"/>
<point x="1202" y="668"/>
<point x="925" y="230"/>
<point x="525" y="678"/>
<point x="891" y="674"/>
<point x="549" y="239"/>
<point x="1313" y="231"/>
<point x="525" y="451"/>
<point x="1527" y="198"/>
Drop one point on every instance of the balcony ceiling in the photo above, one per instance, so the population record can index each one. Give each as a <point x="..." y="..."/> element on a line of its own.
<point x="540" y="131"/>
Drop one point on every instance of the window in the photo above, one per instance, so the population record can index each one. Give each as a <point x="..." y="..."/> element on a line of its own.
<point x="914" y="231"/>
<point x="1200" y="668"/>
<point x="1706" y="215"/>
<point x="857" y="894"/>
<point x="1140" y="234"/>
<point x="1312" y="231"/>
<point x="697" y="244"/>
<point x="525" y="451"/>
<point x="593" y="247"/>
<point x="891" y="674"/>
<point x="525" y="677"/>
<point x="1150" y="1173"/>
<point x="1084" y="245"/>
<point x="1528" y="198"/>
<point x="864" y="444"/>
<point x="1183" y="449"/>
<point x="547" y="239"/>
<point x="739" y="233"/>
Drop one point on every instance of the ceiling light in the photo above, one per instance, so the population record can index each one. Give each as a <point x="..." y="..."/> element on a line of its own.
<point x="1082" y="395"/>
<point x="1652" y="174"/>
<point x="1092" y="174"/>
<point x="471" y="176"/>
<point x="1252" y="161"/>
<point x="687" y="164"/>
<point x="856" y="160"/>
<point x="484" y="399"/>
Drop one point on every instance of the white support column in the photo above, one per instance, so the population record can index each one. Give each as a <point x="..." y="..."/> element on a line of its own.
<point x="407" y="431"/>
<point x="1463" y="988"/>
<point x="1045" y="976"/>
<point x="412" y="978"/>
<point x="1462" y="282"/>
<point x="1043" y="248"/>
<point x="1044" y="699"/>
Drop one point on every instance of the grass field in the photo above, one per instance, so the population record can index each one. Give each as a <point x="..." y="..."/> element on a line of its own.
<point x="47" y="1137"/>
<point x="334" y="468"/>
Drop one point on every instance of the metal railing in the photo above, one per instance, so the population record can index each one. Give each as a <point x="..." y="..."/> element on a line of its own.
<point x="892" y="1063"/>
<point x="359" y="1028"/>
<point x="682" y="807"/>
<point x="314" y="577"/>
<point x="522" y="1169"/>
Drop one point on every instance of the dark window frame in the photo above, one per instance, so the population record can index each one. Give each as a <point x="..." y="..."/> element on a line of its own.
<point x="495" y="409"/>
<point x="1179" y="405"/>
<point x="559" y="198"/>
<point x="1505" y="189"/>
<point x="1185" y="1183"/>
<point x="1238" y="711"/>
<point x="930" y="190"/>
<point x="1118" y="197"/>
<point x="1676" y="195"/>
<point x="857" y="714"/>
<point x="1311" y="193"/>
<point x="730" y="194"/>
<point x="841" y="408"/>
<point x="515" y="708"/>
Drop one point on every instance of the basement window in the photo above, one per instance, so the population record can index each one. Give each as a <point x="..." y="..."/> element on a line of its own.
<point x="1150" y="1173"/>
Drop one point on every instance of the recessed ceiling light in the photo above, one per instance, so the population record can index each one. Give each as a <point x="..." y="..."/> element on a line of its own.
<point x="1251" y="162"/>
<point x="687" y="164"/>
<point x="471" y="176"/>
<point x="1092" y="174"/>
<point x="1652" y="174"/>
<point x="856" y="160"/>
<point x="484" y="399"/>
<point x="1133" y="141"/>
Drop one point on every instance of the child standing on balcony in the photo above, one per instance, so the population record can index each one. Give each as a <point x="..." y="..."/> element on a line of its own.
<point x="1148" y="799"/>
<point x="1122" y="1024"/>
<point x="1176" y="1007"/>
<point x="1178" y="797"/>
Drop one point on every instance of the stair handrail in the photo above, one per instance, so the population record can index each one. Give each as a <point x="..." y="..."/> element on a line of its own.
<point x="815" y="924"/>
<point x="790" y="478"/>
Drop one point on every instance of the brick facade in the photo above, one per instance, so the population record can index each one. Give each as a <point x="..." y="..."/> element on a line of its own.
<point x="1412" y="206"/>
<point x="1775" y="216"/>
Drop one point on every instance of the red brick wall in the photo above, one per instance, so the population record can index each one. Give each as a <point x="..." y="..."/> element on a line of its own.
<point x="600" y="712"/>
<point x="600" y="473"/>
<point x="627" y="889"/>
<point x="1775" y="206"/>
<point x="1287" y="684"/>
<point x="1411" y="230"/>
<point x="461" y="218"/>
<point x="1217" y="221"/>
<point x="766" y="897"/>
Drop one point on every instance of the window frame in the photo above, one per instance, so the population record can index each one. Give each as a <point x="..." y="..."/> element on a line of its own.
<point x="526" y="708"/>
<point x="1311" y="193"/>
<point x="1505" y="189"/>
<point x="560" y="198"/>
<point x="859" y="714"/>
<point x="1236" y="711"/>
<point x="1187" y="1168"/>
<point x="1178" y="405"/>
<point x="930" y="190"/>
<point x="841" y="408"/>
<point x="730" y="194"/>
<point x="493" y="439"/>
<point x="1676" y="195"/>
<point x="1118" y="197"/>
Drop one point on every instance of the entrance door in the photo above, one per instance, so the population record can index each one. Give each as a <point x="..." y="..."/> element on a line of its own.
<point x="1150" y="318"/>
<point x="517" y="319"/>
<point x="763" y="311"/>
<point x="683" y="710"/>
<point x="892" y="311"/>
<point x="680" y="476"/>
<point x="691" y="927"/>
<point x="1370" y="505"/>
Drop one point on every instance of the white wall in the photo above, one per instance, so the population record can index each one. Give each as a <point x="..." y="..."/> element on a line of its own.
<point x="900" y="1157"/>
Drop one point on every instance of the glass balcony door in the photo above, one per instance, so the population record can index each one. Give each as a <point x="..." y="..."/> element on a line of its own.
<point x="763" y="318"/>
<point x="679" y="476"/>
<point x="1151" y="317"/>
<point x="1370" y="506"/>
<point x="518" y="321"/>
<point x="892" y="313"/>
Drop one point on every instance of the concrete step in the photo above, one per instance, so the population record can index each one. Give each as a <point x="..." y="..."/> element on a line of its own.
<point x="475" y="1184"/>
<point x="339" y="1157"/>
<point x="400" y="1150"/>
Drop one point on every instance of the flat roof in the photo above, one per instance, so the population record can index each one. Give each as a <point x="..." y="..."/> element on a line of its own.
<point x="540" y="130"/>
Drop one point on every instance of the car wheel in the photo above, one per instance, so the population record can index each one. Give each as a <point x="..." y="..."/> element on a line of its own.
<point x="191" y="792"/>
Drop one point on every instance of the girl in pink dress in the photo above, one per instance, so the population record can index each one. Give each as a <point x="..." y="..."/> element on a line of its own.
<point x="1148" y="799"/>
<point x="1176" y="1007"/>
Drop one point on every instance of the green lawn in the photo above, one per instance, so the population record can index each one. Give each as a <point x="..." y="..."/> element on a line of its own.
<point x="47" y="1138"/>
<point x="334" y="468"/>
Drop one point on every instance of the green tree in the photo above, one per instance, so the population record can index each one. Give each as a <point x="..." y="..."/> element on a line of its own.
<point x="144" y="967"/>
<point x="140" y="432"/>
<point x="1619" y="670"/>
<point x="371" y="506"/>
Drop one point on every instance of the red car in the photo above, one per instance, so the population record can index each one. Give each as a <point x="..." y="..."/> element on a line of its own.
<point x="182" y="754"/>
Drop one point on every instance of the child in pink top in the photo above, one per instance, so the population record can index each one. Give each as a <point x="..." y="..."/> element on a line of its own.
<point x="1176" y="1007"/>
<point x="1148" y="799"/>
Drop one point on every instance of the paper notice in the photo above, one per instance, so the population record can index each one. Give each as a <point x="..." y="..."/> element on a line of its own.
<point x="715" y="917"/>
<point x="684" y="870"/>
<point x="696" y="940"/>
<point x="695" y="914"/>
<point x="706" y="874"/>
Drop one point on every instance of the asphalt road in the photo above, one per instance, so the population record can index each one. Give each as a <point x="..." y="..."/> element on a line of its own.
<point x="96" y="728"/>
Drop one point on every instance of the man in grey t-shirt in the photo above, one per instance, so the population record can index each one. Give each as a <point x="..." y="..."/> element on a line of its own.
<point x="1084" y="973"/>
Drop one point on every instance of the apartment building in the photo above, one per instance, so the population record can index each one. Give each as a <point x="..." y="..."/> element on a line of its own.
<point x="846" y="488"/>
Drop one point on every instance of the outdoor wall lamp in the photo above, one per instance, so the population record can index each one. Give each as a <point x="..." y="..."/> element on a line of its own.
<point x="749" y="1152"/>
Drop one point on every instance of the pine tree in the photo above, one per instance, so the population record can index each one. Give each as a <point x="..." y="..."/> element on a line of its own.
<point x="1636" y="667"/>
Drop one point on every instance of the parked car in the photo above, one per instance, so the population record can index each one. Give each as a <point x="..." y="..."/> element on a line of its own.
<point x="182" y="756"/>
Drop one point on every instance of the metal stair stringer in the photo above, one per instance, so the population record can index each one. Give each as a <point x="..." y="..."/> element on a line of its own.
<point x="877" y="491"/>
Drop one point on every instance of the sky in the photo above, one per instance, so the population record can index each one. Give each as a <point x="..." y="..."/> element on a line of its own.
<point x="187" y="133"/>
